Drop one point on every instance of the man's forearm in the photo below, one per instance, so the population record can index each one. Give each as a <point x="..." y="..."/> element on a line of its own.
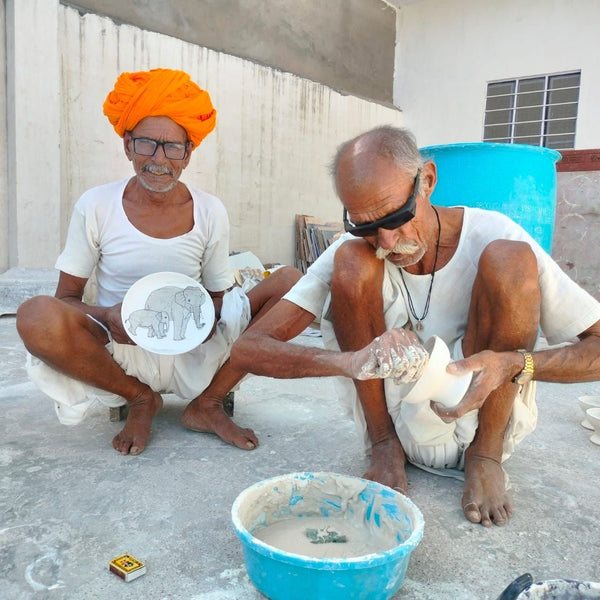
<point x="265" y="355"/>
<point x="392" y="354"/>
<point x="579" y="362"/>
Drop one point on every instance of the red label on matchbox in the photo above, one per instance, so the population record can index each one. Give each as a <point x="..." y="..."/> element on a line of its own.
<point x="127" y="567"/>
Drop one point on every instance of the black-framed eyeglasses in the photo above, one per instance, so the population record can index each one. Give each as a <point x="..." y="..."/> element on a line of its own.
<point x="147" y="147"/>
<point x="392" y="221"/>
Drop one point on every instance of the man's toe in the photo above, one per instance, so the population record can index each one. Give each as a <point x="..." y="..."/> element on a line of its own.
<point x="500" y="516"/>
<point x="122" y="446"/>
<point x="472" y="513"/>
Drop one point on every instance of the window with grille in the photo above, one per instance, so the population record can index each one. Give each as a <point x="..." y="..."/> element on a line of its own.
<point x="540" y="110"/>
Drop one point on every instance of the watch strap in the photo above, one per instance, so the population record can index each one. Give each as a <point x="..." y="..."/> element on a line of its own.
<point x="528" y="370"/>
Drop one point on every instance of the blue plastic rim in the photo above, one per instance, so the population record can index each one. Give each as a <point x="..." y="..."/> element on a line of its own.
<point x="282" y="575"/>
<point x="515" y="179"/>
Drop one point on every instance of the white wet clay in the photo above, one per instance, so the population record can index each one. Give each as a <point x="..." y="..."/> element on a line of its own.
<point x="291" y="535"/>
<point x="393" y="355"/>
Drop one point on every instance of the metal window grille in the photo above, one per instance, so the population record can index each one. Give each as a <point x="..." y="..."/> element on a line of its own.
<point x="540" y="110"/>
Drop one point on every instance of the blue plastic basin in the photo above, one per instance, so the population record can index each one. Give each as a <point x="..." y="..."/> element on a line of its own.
<point x="282" y="575"/>
<point x="514" y="179"/>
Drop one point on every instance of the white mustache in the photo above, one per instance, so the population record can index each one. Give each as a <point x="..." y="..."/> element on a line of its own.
<point x="158" y="169"/>
<point x="399" y="248"/>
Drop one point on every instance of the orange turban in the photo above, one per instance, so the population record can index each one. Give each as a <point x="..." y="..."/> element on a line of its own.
<point x="160" y="93"/>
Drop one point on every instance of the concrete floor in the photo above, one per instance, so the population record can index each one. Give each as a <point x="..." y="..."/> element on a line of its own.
<point x="69" y="503"/>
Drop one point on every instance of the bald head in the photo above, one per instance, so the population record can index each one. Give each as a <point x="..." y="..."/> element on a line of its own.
<point x="356" y="159"/>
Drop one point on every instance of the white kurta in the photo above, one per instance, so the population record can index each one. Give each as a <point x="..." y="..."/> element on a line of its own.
<point x="101" y="237"/>
<point x="103" y="242"/>
<point x="566" y="311"/>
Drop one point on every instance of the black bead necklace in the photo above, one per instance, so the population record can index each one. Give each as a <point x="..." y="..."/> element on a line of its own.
<point x="411" y="306"/>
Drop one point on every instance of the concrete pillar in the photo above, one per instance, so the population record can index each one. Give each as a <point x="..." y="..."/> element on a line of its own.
<point x="33" y="130"/>
<point x="3" y="149"/>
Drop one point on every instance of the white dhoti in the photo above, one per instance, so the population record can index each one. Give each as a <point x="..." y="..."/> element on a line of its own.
<point x="186" y="375"/>
<point x="428" y="441"/>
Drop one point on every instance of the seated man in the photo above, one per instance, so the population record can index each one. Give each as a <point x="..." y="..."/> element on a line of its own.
<point x="470" y="276"/>
<point x="123" y="231"/>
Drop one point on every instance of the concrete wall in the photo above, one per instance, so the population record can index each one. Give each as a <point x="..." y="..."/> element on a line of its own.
<point x="276" y="131"/>
<point x="267" y="159"/>
<point x="346" y="44"/>
<point x="576" y="246"/>
<point x="3" y="148"/>
<point x="447" y="51"/>
<point x="33" y="132"/>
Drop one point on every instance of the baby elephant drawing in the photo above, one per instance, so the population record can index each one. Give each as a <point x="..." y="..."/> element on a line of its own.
<point x="180" y="304"/>
<point x="156" y="321"/>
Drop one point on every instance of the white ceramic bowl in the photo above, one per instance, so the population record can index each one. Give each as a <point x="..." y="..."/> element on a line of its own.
<point x="593" y="416"/>
<point x="586" y="402"/>
<point x="435" y="383"/>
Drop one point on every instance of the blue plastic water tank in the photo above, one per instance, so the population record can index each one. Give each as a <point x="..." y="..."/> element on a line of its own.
<point x="514" y="179"/>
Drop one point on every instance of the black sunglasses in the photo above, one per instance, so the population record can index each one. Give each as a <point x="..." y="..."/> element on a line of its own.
<point x="392" y="221"/>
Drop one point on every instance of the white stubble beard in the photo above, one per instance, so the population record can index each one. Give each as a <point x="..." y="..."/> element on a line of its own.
<point x="157" y="170"/>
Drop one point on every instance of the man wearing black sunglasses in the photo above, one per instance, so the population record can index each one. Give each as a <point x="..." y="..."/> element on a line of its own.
<point x="409" y="268"/>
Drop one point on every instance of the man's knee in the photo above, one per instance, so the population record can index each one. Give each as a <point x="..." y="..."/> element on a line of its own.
<point x="502" y="259"/>
<point x="44" y="322"/>
<point x="508" y="272"/>
<point x="356" y="270"/>
<point x="31" y="314"/>
<point x="273" y="288"/>
<point x="285" y="278"/>
<point x="276" y="285"/>
<point x="505" y="307"/>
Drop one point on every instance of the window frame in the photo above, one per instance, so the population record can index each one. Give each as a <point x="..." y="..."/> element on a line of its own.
<point x="542" y="136"/>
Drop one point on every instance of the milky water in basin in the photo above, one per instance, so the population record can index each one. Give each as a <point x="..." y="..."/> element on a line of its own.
<point x="278" y="519"/>
<point x="326" y="537"/>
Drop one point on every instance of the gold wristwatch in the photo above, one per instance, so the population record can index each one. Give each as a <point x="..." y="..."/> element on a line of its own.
<point x="527" y="373"/>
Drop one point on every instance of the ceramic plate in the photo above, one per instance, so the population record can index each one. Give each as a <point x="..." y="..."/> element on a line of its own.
<point x="167" y="313"/>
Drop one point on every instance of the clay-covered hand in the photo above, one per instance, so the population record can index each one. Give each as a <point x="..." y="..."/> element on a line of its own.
<point x="397" y="354"/>
<point x="490" y="370"/>
<point x="115" y="325"/>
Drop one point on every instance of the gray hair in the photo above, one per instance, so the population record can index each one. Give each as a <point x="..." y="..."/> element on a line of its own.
<point x="395" y="143"/>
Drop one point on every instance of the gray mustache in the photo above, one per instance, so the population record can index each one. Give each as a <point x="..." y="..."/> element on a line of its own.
<point x="399" y="248"/>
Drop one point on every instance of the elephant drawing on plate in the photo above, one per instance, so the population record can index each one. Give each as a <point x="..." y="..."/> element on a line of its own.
<point x="180" y="304"/>
<point x="157" y="322"/>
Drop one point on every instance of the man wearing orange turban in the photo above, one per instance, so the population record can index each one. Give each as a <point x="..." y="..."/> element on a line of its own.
<point x="80" y="351"/>
<point x="156" y="93"/>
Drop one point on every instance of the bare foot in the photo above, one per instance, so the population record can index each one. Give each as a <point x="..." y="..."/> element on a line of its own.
<point x="388" y="465"/>
<point x="485" y="499"/>
<point x="135" y="435"/>
<point x="206" y="414"/>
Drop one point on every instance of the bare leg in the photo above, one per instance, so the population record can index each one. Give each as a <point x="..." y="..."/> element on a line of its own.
<point x="504" y="315"/>
<point x="205" y="412"/>
<point x="69" y="341"/>
<point x="357" y="313"/>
